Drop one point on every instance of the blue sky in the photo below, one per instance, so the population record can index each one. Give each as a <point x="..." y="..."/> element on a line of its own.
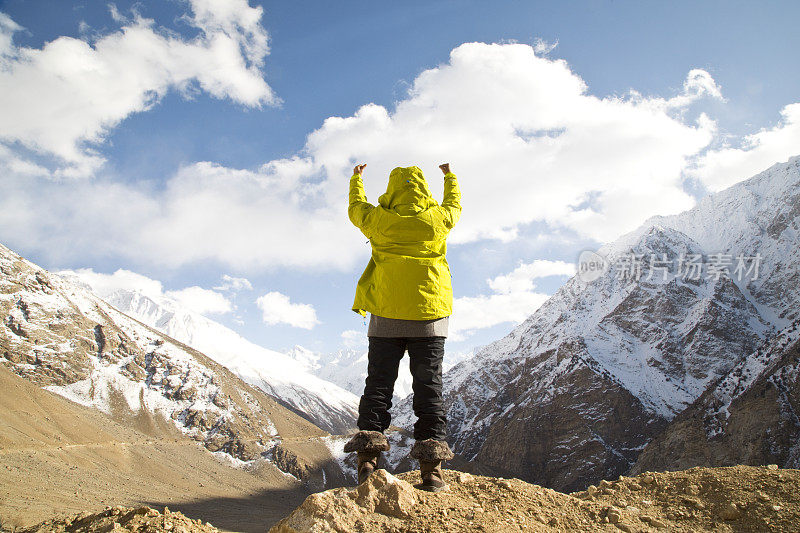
<point x="190" y="140"/>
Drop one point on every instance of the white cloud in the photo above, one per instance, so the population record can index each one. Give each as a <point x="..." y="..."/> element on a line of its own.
<point x="241" y="218"/>
<point x="249" y="219"/>
<point x="514" y="298"/>
<point x="542" y="47"/>
<point x="528" y="142"/>
<point x="7" y="29"/>
<point x="471" y="313"/>
<point x="104" y="285"/>
<point x="521" y="278"/>
<point x="276" y="308"/>
<point x="233" y="284"/>
<point x="197" y="299"/>
<point x="527" y="139"/>
<point x="722" y="168"/>
<point x="238" y="21"/>
<point x="19" y="166"/>
<point x="354" y="339"/>
<point x="698" y="84"/>
<point x="203" y="301"/>
<point x="63" y="99"/>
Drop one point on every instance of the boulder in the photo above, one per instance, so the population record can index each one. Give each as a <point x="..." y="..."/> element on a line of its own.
<point x="383" y="497"/>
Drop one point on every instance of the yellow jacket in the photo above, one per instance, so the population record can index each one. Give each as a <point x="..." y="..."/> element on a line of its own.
<point x="407" y="276"/>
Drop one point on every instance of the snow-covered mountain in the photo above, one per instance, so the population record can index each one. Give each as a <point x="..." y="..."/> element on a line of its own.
<point x="574" y="393"/>
<point x="326" y="404"/>
<point x="60" y="336"/>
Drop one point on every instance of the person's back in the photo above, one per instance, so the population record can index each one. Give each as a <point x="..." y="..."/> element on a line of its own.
<point x="408" y="276"/>
<point x="406" y="288"/>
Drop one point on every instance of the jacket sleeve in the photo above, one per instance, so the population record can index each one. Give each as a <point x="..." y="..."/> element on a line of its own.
<point x="451" y="203"/>
<point x="359" y="210"/>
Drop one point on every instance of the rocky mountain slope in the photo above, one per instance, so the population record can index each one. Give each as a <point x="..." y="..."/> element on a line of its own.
<point x="59" y="336"/>
<point x="750" y="416"/>
<point x="327" y="405"/>
<point x="575" y="393"/>
<point x="59" y="458"/>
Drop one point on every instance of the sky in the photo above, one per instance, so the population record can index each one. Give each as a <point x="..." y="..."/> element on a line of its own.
<point x="201" y="149"/>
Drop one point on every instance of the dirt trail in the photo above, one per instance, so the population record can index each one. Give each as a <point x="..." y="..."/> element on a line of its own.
<point x="107" y="444"/>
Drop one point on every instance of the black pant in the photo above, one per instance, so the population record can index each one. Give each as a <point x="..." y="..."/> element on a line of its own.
<point x="426" y="355"/>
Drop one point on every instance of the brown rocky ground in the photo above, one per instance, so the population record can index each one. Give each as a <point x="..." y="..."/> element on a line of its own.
<point x="701" y="499"/>
<point x="125" y="519"/>
<point x="729" y="499"/>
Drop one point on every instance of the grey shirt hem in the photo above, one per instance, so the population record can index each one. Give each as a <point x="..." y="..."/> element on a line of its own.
<point x="397" y="327"/>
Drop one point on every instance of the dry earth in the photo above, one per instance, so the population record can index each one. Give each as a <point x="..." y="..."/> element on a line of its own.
<point x="58" y="458"/>
<point x="740" y="498"/>
<point x="125" y="519"/>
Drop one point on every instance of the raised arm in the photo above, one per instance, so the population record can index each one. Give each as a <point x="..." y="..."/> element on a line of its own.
<point x="451" y="203"/>
<point x="359" y="208"/>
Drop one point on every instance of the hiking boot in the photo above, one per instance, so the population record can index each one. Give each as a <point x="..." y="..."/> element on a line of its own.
<point x="367" y="463"/>
<point x="368" y="445"/>
<point x="430" y="453"/>
<point x="432" y="477"/>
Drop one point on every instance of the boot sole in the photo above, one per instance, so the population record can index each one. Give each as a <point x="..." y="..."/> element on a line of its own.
<point x="431" y="488"/>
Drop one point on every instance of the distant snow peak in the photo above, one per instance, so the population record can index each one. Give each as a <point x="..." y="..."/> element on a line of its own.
<point x="200" y="300"/>
<point x="307" y="359"/>
<point x="279" y="375"/>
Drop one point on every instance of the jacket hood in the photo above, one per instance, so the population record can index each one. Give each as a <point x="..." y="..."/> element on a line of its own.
<point x="407" y="192"/>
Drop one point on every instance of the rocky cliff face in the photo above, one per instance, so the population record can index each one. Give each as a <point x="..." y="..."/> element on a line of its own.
<point x="575" y="393"/>
<point x="748" y="417"/>
<point x="61" y="337"/>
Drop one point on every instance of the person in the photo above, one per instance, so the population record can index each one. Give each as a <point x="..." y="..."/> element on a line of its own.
<point x="407" y="289"/>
